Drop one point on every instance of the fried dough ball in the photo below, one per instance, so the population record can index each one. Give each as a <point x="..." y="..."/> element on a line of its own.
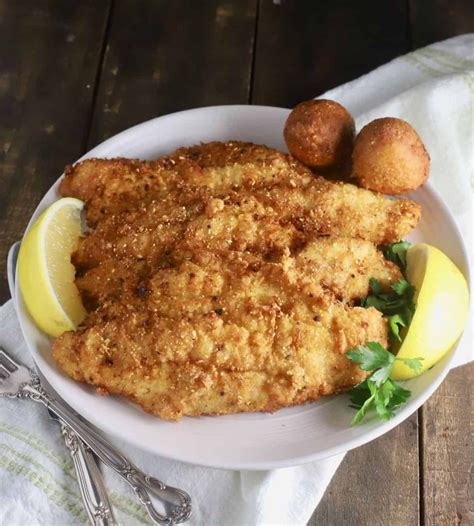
<point x="389" y="157"/>
<point x="320" y="134"/>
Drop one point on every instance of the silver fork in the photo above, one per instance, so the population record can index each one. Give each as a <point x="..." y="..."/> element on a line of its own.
<point x="16" y="381"/>
<point x="89" y="477"/>
<point x="91" y="484"/>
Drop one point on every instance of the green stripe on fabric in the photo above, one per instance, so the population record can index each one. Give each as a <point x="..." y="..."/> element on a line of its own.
<point x="46" y="485"/>
<point x="121" y="501"/>
<point x="40" y="466"/>
<point x="130" y="507"/>
<point x="31" y="440"/>
<point x="446" y="58"/>
<point x="414" y="61"/>
<point x="469" y="79"/>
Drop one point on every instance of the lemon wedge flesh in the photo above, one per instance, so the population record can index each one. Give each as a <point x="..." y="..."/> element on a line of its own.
<point x="45" y="272"/>
<point x="441" y="300"/>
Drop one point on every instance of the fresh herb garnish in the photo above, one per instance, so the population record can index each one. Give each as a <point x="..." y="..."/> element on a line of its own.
<point x="394" y="323"/>
<point x="397" y="252"/>
<point x="397" y="304"/>
<point x="392" y="302"/>
<point x="378" y="392"/>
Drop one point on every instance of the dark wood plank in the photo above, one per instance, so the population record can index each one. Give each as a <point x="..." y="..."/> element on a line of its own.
<point x="306" y="47"/>
<point x="448" y="451"/>
<point x="169" y="55"/>
<point x="376" y="483"/>
<point x="434" y="20"/>
<point x="49" y="61"/>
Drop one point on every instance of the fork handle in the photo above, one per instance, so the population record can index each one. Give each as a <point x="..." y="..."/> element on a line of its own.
<point x="176" y="502"/>
<point x="91" y="484"/>
<point x="90" y="480"/>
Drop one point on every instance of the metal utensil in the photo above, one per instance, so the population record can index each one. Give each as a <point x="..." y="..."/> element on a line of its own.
<point x="91" y="483"/>
<point x="16" y="381"/>
<point x="89" y="477"/>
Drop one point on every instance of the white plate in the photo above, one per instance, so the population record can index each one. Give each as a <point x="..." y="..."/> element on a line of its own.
<point x="244" y="441"/>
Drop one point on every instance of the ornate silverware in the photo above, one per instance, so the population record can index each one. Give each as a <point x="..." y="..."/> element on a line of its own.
<point x="16" y="381"/>
<point x="91" y="484"/>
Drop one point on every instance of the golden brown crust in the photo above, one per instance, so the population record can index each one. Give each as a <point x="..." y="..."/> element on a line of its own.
<point x="224" y="278"/>
<point x="272" y="178"/>
<point x="342" y="266"/>
<point x="320" y="133"/>
<point x="389" y="157"/>
<point x="336" y="208"/>
<point x="267" y="335"/>
<point x="109" y="186"/>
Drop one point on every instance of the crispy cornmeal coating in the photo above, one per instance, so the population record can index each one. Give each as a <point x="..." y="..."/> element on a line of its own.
<point x="225" y="278"/>
<point x="342" y="266"/>
<point x="222" y="334"/>
<point x="112" y="185"/>
<point x="237" y="223"/>
<point x="277" y="180"/>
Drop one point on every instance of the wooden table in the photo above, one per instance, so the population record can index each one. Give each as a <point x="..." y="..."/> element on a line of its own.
<point x="73" y="73"/>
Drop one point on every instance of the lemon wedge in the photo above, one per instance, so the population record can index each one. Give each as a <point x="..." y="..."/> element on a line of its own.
<point x="45" y="272"/>
<point x="441" y="300"/>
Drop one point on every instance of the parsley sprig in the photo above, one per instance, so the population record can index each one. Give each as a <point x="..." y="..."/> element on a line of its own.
<point x="397" y="304"/>
<point x="378" y="392"/>
<point x="397" y="252"/>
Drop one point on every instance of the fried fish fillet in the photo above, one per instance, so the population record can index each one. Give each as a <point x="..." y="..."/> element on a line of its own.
<point x="277" y="180"/>
<point x="125" y="248"/>
<point x="225" y="333"/>
<point x="225" y="278"/>
<point x="147" y="232"/>
<point x="112" y="185"/>
<point x="342" y="266"/>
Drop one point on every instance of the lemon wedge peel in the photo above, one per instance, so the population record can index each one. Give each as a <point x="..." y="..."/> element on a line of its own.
<point x="441" y="299"/>
<point x="35" y="268"/>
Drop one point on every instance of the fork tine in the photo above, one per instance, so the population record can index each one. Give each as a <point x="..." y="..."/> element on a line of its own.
<point x="4" y="372"/>
<point x="7" y="362"/>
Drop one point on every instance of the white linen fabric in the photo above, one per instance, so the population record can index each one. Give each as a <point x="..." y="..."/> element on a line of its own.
<point x="432" y="88"/>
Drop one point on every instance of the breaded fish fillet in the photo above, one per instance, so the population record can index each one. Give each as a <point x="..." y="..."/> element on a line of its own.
<point x="112" y="185"/>
<point x="224" y="333"/>
<point x="147" y="232"/>
<point x="224" y="278"/>
<point x="277" y="180"/>
<point x="342" y="266"/>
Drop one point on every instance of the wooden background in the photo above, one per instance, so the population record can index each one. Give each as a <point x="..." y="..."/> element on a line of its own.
<point x="73" y="73"/>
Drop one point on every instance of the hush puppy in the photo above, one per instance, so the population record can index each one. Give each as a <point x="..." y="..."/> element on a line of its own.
<point x="389" y="157"/>
<point x="320" y="134"/>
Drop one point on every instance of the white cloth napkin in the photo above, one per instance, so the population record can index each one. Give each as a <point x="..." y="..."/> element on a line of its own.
<point x="433" y="89"/>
